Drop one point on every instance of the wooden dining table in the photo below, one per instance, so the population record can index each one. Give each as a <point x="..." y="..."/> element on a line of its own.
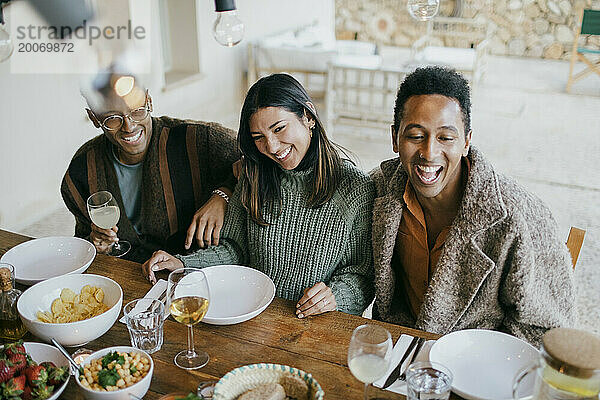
<point x="317" y="344"/>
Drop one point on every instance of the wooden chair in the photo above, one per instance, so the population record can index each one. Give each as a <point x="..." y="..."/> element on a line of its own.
<point x="588" y="24"/>
<point x="574" y="243"/>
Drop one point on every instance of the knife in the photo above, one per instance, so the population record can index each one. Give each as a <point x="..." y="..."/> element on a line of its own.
<point x="412" y="358"/>
<point x="396" y="372"/>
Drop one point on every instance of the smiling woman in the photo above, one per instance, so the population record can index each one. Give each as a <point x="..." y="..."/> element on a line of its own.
<point x="299" y="213"/>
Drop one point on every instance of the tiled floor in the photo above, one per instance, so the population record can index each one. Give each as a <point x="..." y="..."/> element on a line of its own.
<point x="529" y="128"/>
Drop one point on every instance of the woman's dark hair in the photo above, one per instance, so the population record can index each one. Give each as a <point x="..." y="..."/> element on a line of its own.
<point x="261" y="176"/>
<point x="434" y="80"/>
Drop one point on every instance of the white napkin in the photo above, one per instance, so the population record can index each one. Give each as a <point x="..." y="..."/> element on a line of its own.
<point x="154" y="293"/>
<point x="399" y="348"/>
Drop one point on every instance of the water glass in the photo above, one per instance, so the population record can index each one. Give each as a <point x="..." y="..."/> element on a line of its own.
<point x="428" y="380"/>
<point x="145" y="318"/>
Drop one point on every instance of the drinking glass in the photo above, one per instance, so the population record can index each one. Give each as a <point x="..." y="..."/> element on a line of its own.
<point x="104" y="212"/>
<point x="188" y="297"/>
<point x="145" y="318"/>
<point x="369" y="353"/>
<point x="428" y="380"/>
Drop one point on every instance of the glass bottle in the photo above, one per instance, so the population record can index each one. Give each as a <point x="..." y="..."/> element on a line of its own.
<point x="568" y="367"/>
<point x="11" y="326"/>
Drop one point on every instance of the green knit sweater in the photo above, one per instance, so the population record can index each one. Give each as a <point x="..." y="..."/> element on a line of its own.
<point x="303" y="245"/>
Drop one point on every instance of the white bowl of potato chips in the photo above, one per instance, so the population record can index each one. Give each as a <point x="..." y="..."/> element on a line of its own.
<point x="124" y="370"/>
<point x="74" y="309"/>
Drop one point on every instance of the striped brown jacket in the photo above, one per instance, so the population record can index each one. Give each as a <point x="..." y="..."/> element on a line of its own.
<point x="185" y="161"/>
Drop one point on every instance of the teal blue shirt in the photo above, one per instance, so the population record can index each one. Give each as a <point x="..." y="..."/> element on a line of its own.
<point x="130" y="185"/>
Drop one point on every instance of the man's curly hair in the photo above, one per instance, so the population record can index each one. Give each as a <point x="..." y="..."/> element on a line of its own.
<point x="434" y="80"/>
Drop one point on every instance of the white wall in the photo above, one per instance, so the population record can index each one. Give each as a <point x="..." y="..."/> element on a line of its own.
<point x="42" y="122"/>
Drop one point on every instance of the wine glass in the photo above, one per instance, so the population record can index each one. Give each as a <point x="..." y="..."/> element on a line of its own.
<point x="188" y="297"/>
<point x="104" y="212"/>
<point x="369" y="353"/>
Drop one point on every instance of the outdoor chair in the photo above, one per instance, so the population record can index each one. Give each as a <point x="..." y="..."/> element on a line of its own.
<point x="588" y="25"/>
<point x="361" y="97"/>
<point x="459" y="43"/>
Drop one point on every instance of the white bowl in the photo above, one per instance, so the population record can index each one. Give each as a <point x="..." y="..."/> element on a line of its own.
<point x="242" y="379"/>
<point x="237" y="294"/>
<point x="138" y="389"/>
<point x="40" y="352"/>
<point x="40" y="259"/>
<point x="40" y="297"/>
<point x="484" y="363"/>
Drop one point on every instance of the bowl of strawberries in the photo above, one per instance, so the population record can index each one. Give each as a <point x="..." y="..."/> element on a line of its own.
<point x="32" y="371"/>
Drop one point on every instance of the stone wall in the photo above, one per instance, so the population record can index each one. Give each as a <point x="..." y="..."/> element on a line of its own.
<point x="531" y="28"/>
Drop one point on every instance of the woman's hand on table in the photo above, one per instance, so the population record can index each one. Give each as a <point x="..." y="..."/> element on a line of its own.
<point x="103" y="239"/>
<point x="316" y="300"/>
<point x="160" y="260"/>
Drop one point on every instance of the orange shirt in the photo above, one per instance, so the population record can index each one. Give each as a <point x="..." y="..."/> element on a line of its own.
<point x="415" y="262"/>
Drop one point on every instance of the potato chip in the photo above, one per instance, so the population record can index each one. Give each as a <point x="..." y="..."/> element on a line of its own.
<point x="71" y="307"/>
<point x="99" y="295"/>
<point x="67" y="295"/>
<point x="57" y="306"/>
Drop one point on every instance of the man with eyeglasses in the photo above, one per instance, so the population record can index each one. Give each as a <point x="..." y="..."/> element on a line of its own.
<point x="171" y="178"/>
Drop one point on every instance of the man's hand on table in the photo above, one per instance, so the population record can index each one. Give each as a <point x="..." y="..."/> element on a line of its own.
<point x="160" y="260"/>
<point x="103" y="239"/>
<point x="207" y="222"/>
<point x="316" y="300"/>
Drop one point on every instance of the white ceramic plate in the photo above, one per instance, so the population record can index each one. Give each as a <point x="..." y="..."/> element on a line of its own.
<point x="484" y="363"/>
<point x="40" y="352"/>
<point x="237" y="294"/>
<point x="40" y="259"/>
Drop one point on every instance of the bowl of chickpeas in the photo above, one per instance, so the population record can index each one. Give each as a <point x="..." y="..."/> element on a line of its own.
<point x="114" y="373"/>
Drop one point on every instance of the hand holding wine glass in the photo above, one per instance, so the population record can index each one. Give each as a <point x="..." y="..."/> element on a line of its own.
<point x="369" y="353"/>
<point x="188" y="298"/>
<point x="105" y="213"/>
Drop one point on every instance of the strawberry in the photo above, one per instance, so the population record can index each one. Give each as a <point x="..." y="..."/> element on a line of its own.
<point x="19" y="361"/>
<point x="48" y="365"/>
<point x="27" y="393"/>
<point x="42" y="392"/>
<point x="57" y="375"/>
<point x="14" y="387"/>
<point x="36" y="375"/>
<point x="7" y="370"/>
<point x="14" y="348"/>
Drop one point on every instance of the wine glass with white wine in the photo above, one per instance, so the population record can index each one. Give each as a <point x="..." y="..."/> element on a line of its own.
<point x="369" y="353"/>
<point x="188" y="297"/>
<point x="105" y="213"/>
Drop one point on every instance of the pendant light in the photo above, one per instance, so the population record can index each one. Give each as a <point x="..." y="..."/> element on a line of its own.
<point x="228" y="30"/>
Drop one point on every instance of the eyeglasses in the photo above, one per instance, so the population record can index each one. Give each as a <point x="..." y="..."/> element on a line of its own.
<point x="115" y="122"/>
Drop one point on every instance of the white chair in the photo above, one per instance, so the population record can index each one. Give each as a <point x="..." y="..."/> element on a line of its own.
<point x="361" y="98"/>
<point x="305" y="53"/>
<point x="460" y="43"/>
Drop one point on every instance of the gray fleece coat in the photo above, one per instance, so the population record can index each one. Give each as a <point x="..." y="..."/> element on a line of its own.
<point x="503" y="266"/>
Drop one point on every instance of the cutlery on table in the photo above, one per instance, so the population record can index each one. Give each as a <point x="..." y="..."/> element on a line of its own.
<point x="396" y="372"/>
<point x="66" y="354"/>
<point x="412" y="358"/>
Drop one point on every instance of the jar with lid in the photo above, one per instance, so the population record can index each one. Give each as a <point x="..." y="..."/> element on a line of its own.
<point x="11" y="326"/>
<point x="568" y="367"/>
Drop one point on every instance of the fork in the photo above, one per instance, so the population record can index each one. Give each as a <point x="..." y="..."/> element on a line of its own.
<point x="420" y="343"/>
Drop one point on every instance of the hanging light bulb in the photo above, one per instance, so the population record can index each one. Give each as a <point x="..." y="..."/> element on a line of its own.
<point x="423" y="10"/>
<point x="228" y="30"/>
<point x="6" y="46"/>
